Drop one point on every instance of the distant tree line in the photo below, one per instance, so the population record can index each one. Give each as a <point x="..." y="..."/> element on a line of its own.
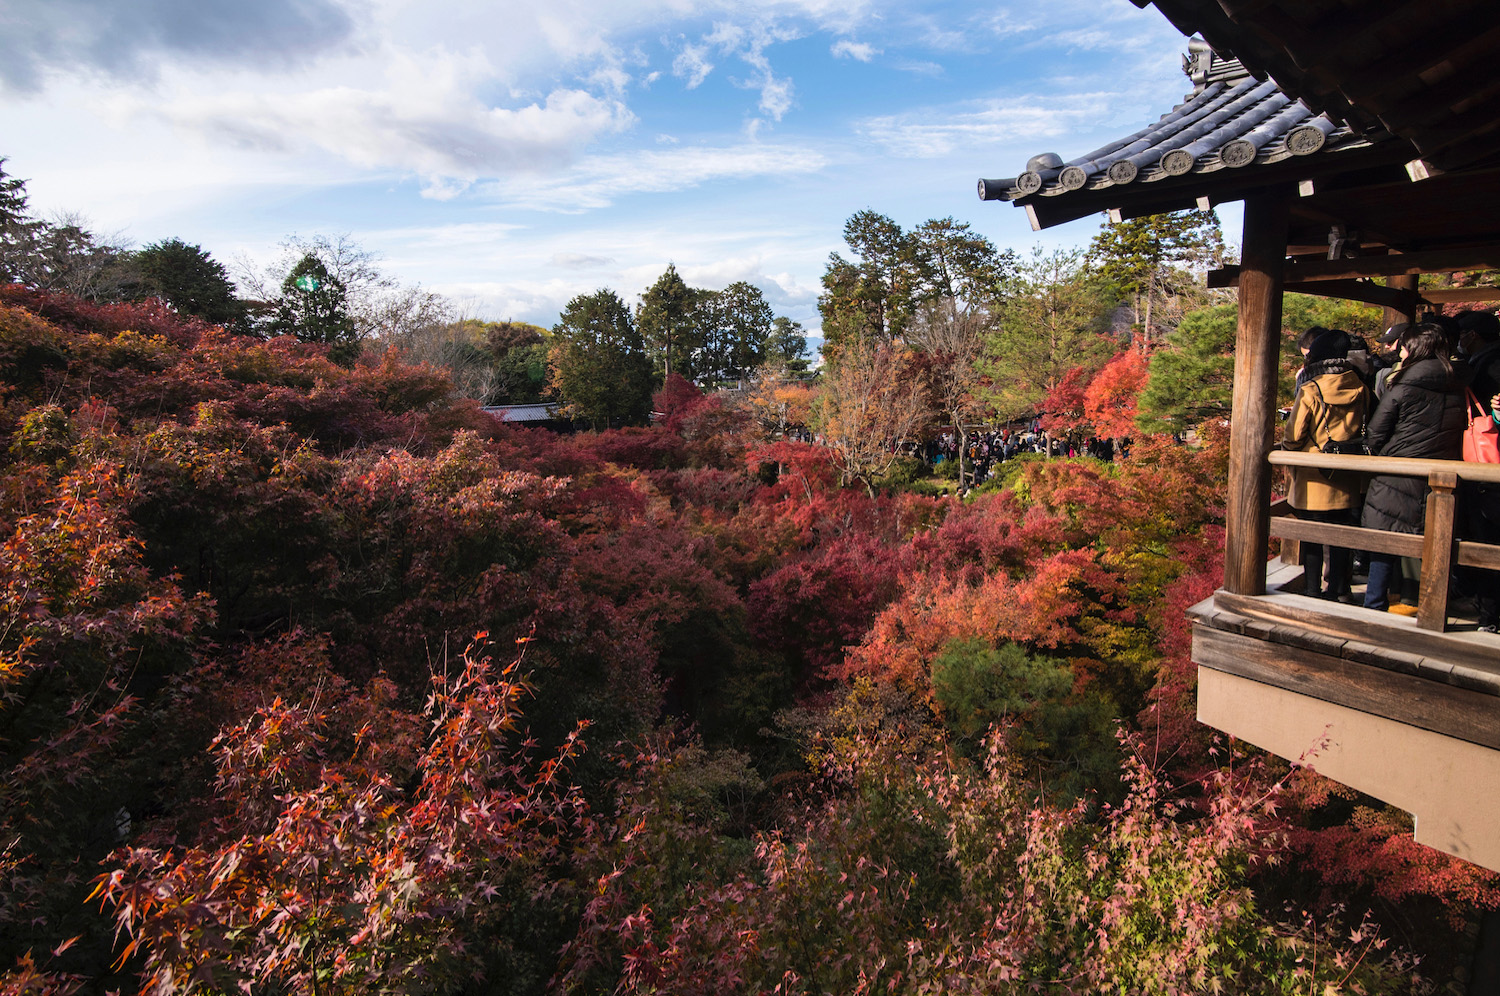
<point x="606" y="360"/>
<point x="601" y="361"/>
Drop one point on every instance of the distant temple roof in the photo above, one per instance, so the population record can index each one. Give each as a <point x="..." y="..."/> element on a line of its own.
<point x="1231" y="123"/>
<point x="523" y="413"/>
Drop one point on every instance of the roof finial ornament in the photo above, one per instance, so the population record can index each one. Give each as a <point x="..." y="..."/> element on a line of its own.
<point x="1196" y="63"/>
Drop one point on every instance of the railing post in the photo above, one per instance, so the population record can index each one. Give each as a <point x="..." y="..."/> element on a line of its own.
<point x="1437" y="552"/>
<point x="1252" y="421"/>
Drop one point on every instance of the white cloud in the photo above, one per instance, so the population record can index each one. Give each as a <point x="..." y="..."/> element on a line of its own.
<point x="692" y="64"/>
<point x="931" y="133"/>
<point x="930" y="69"/>
<point x="863" y="51"/>
<point x="598" y="181"/>
<point x="775" y="95"/>
<point x="750" y="44"/>
<point x="468" y="235"/>
<point x="579" y="261"/>
<point x="425" y="119"/>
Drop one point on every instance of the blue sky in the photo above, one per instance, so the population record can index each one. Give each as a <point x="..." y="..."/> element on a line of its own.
<point x="511" y="155"/>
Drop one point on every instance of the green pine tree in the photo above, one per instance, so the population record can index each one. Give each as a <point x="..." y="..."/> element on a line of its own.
<point x="599" y="364"/>
<point x="313" y="306"/>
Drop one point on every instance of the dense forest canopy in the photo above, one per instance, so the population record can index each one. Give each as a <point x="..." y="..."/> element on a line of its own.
<point x="316" y="678"/>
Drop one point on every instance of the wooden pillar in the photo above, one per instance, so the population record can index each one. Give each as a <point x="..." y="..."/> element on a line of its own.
<point x="1407" y="282"/>
<point x="1252" y="426"/>
<point x="1437" y="552"/>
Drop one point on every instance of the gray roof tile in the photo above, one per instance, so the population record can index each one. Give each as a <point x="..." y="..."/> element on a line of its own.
<point x="1230" y="121"/>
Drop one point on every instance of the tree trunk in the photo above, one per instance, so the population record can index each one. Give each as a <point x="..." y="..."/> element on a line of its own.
<point x="1146" y="326"/>
<point x="963" y="448"/>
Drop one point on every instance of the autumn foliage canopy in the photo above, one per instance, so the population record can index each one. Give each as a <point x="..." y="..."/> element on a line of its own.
<point x="316" y="679"/>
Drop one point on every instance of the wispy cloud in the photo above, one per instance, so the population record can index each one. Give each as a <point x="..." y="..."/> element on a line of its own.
<point x="579" y="261"/>
<point x="598" y="181"/>
<point x="846" y="49"/>
<point x="931" y="133"/>
<point x="692" y="65"/>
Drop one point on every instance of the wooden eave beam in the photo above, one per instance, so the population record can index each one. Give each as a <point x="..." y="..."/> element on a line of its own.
<point x="1436" y="103"/>
<point x="1355" y="290"/>
<point x="1397" y="264"/>
<point x="1452" y="47"/>
<point x="1457" y="295"/>
<point x="1395" y="298"/>
<point x="1392" y="265"/>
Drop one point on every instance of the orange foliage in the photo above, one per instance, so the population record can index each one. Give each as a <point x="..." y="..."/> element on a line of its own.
<point x="1110" y="403"/>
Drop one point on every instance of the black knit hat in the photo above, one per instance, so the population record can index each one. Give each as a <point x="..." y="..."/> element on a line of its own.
<point x="1331" y="345"/>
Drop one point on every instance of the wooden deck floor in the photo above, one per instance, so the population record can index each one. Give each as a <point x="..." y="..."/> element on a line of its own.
<point x="1394" y="636"/>
<point x="1374" y="662"/>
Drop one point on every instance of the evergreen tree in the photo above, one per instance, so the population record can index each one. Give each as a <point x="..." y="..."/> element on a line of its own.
<point x="519" y="356"/>
<point x="1192" y="376"/>
<point x="599" y="364"/>
<point x="668" y="326"/>
<point x="1052" y="321"/>
<point x="58" y="256"/>
<point x="964" y="276"/>
<point x="873" y="297"/>
<point x="786" y="346"/>
<point x="1140" y="255"/>
<point x="190" y="280"/>
<point x="962" y="271"/>
<point x="313" y="306"/>
<point x="735" y="324"/>
<point x="17" y="228"/>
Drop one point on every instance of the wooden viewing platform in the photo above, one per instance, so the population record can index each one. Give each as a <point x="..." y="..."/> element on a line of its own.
<point x="1365" y="146"/>
<point x="1404" y="709"/>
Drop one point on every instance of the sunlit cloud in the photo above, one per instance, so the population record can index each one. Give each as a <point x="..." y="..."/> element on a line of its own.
<point x="428" y="123"/>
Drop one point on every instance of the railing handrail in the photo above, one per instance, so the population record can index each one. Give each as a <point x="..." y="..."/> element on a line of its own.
<point x="1438" y="545"/>
<point x="1403" y="466"/>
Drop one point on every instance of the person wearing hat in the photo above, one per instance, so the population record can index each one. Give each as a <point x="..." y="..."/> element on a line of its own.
<point x="1390" y="355"/>
<point x="1331" y="407"/>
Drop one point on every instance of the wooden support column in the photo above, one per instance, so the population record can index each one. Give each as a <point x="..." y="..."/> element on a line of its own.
<point x="1252" y="426"/>
<point x="1437" y="552"/>
<point x="1403" y="282"/>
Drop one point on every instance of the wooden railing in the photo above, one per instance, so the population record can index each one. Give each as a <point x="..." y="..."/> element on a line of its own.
<point x="1436" y="544"/>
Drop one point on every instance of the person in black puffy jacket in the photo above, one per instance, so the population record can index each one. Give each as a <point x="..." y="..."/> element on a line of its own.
<point x="1422" y="415"/>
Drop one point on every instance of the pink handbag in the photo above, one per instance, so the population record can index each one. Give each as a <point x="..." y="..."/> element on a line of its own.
<point x="1482" y="437"/>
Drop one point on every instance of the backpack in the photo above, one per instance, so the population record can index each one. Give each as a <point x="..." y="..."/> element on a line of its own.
<point x="1336" y="437"/>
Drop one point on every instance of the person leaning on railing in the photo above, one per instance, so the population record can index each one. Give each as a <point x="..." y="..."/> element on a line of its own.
<point x="1484" y="525"/>
<point x="1422" y="415"/>
<point x="1330" y="409"/>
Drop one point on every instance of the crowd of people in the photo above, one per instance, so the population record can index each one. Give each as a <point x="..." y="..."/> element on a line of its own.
<point x="1410" y="394"/>
<point x="987" y="448"/>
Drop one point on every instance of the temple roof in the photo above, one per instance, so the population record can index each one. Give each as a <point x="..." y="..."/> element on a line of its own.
<point x="1422" y="70"/>
<point x="1231" y="123"/>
